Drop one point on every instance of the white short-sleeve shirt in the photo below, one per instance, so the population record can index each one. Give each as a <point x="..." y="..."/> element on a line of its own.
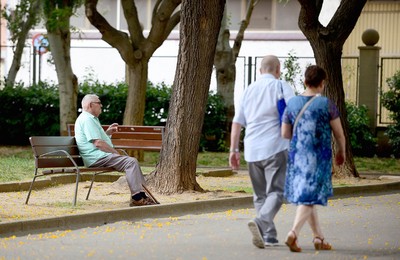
<point x="258" y="113"/>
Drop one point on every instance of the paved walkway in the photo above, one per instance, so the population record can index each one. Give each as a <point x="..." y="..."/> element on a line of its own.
<point x="363" y="227"/>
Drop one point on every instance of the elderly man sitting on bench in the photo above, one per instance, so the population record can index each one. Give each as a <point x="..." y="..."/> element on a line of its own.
<point x="97" y="150"/>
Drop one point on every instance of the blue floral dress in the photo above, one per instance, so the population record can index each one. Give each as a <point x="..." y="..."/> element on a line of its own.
<point x="309" y="167"/>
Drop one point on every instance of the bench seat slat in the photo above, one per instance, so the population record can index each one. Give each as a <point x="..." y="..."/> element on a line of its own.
<point x="74" y="170"/>
<point x="61" y="162"/>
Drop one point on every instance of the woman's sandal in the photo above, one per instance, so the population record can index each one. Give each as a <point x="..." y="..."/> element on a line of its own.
<point x="291" y="242"/>
<point x="319" y="244"/>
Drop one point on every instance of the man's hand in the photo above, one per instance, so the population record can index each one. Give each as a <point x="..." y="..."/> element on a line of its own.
<point x="234" y="160"/>
<point x="112" y="129"/>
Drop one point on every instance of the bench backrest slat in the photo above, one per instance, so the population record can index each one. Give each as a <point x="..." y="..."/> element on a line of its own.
<point x="60" y="162"/>
<point x="42" y="145"/>
<point x="124" y="128"/>
<point x="139" y="136"/>
<point x="133" y="137"/>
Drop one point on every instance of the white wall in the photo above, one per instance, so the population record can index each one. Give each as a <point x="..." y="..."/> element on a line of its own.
<point x="97" y="58"/>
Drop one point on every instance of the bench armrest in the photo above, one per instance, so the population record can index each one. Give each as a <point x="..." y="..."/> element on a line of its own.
<point x="61" y="153"/>
<point x="122" y="151"/>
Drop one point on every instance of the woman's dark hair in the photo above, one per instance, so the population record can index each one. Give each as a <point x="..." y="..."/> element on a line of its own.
<point x="314" y="75"/>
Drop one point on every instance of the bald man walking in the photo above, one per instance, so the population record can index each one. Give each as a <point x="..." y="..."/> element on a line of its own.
<point x="264" y="149"/>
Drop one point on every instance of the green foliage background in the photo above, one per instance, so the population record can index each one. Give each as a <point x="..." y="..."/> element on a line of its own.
<point x="34" y="110"/>
<point x="391" y="101"/>
<point x="362" y="140"/>
<point x="28" y="111"/>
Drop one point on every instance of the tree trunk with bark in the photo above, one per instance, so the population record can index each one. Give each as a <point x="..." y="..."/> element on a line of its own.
<point x="135" y="49"/>
<point x="137" y="81"/>
<point x="31" y="19"/>
<point x="200" y="23"/>
<point x="327" y="44"/>
<point x="58" y="29"/>
<point x="225" y="64"/>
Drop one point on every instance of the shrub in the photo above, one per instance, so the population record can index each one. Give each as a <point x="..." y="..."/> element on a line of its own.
<point x="157" y="104"/>
<point x="391" y="101"/>
<point x="213" y="133"/>
<point x="362" y="140"/>
<point x="28" y="111"/>
<point x="34" y="110"/>
<point x="112" y="96"/>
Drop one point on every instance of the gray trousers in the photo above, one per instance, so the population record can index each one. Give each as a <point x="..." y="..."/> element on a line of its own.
<point x="130" y="165"/>
<point x="268" y="180"/>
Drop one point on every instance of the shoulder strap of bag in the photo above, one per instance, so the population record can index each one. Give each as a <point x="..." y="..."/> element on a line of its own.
<point x="302" y="111"/>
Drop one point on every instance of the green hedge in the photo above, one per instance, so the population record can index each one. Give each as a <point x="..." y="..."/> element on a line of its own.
<point x="34" y="110"/>
<point x="362" y="140"/>
<point x="391" y="101"/>
<point x="28" y="111"/>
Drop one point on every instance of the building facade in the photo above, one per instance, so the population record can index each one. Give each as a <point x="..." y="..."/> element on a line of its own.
<point x="273" y="30"/>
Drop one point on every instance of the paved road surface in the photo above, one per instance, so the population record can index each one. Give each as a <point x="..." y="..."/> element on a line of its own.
<point x="358" y="228"/>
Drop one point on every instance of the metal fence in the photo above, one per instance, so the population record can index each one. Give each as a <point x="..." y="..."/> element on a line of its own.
<point x="105" y="63"/>
<point x="389" y="66"/>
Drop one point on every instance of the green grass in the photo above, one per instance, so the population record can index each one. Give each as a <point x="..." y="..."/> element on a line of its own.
<point x="381" y="165"/>
<point x="16" y="163"/>
<point x="244" y="189"/>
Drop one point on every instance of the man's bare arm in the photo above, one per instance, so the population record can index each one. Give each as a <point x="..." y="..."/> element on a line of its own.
<point x="103" y="146"/>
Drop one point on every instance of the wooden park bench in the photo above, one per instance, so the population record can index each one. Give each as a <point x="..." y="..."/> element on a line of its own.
<point x="60" y="155"/>
<point x="129" y="137"/>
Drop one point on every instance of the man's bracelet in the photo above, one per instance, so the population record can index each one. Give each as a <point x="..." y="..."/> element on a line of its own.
<point x="234" y="150"/>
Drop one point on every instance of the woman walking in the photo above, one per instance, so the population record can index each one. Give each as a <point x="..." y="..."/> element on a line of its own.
<point x="308" y="121"/>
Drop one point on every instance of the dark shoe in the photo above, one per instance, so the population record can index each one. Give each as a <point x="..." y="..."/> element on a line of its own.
<point x="141" y="202"/>
<point x="258" y="240"/>
<point x="272" y="242"/>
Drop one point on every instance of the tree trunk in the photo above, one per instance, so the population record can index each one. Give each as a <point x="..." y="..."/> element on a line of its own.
<point x="135" y="102"/>
<point x="200" y="23"/>
<point x="60" y="43"/>
<point x="16" y="62"/>
<point x="31" y="20"/>
<point x="134" y="48"/>
<point x="333" y="66"/>
<point x="327" y="44"/>
<point x="225" y="65"/>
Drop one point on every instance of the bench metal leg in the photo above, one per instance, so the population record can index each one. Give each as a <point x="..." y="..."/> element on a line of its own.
<point x="91" y="185"/>
<point x="78" y="175"/>
<point x="31" y="186"/>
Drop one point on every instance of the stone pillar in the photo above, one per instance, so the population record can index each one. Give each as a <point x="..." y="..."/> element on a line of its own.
<point x="368" y="86"/>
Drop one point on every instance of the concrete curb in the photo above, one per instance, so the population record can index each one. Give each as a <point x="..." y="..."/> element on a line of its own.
<point x="129" y="214"/>
<point x="162" y="211"/>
